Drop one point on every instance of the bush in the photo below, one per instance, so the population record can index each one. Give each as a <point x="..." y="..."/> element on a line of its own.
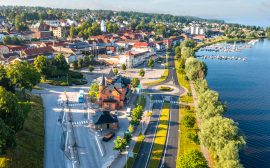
<point x="76" y="75"/>
<point x="192" y="159"/>
<point x="194" y="137"/>
<point x="189" y="121"/>
<point x="91" y="68"/>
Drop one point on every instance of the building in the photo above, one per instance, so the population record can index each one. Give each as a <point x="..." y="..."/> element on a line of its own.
<point x="58" y="32"/>
<point x="105" y="120"/>
<point x="103" y="26"/>
<point x="31" y="53"/>
<point x="197" y="30"/>
<point x="41" y="31"/>
<point x="113" y="91"/>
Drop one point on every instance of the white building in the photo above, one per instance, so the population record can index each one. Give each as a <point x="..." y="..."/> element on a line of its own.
<point x="197" y="30"/>
<point x="103" y="26"/>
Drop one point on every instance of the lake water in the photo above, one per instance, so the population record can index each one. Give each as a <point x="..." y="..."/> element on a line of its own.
<point x="245" y="86"/>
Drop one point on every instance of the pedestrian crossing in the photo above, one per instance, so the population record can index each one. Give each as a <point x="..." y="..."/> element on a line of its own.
<point x="76" y="104"/>
<point x="162" y="101"/>
<point x="77" y="123"/>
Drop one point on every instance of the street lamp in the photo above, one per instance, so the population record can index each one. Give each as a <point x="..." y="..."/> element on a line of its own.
<point x="127" y="155"/>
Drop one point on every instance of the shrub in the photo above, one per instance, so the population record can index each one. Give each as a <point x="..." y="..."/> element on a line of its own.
<point x="189" y="121"/>
<point x="192" y="159"/>
<point x="194" y="137"/>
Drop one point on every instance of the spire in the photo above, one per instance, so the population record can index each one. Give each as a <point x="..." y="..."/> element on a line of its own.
<point x="111" y="74"/>
<point x="103" y="82"/>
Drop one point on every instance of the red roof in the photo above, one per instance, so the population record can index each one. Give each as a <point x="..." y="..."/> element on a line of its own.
<point x="141" y="44"/>
<point x="38" y="51"/>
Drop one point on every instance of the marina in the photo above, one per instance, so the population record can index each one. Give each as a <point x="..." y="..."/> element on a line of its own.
<point x="227" y="47"/>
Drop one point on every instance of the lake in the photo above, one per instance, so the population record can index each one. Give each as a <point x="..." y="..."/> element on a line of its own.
<point x="245" y="86"/>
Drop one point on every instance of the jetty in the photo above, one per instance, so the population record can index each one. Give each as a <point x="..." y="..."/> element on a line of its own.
<point x="220" y="57"/>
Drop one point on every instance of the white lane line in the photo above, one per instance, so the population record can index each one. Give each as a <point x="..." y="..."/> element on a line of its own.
<point x="99" y="146"/>
<point x="153" y="139"/>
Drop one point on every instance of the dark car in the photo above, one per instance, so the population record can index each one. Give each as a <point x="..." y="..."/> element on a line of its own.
<point x="108" y="136"/>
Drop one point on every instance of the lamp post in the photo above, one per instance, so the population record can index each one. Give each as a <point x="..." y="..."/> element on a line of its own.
<point x="127" y="155"/>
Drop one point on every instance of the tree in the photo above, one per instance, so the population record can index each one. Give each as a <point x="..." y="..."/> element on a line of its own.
<point x="75" y="64"/>
<point x="217" y="132"/>
<point x="189" y="121"/>
<point x="43" y="65"/>
<point x="188" y="43"/>
<point x="6" y="137"/>
<point x="120" y="144"/>
<point x="150" y="63"/>
<point x="135" y="82"/>
<point x="94" y="92"/>
<point x="130" y="128"/>
<point x="10" y="110"/>
<point x="80" y="62"/>
<point x="123" y="67"/>
<point x="187" y="52"/>
<point x="192" y="159"/>
<point x="195" y="69"/>
<point x="23" y="75"/>
<point x="91" y="68"/>
<point x="141" y="73"/>
<point x="5" y="81"/>
<point x="72" y="31"/>
<point x="115" y="71"/>
<point x="209" y="105"/>
<point x="177" y="51"/>
<point x="136" y="115"/>
<point x="60" y="62"/>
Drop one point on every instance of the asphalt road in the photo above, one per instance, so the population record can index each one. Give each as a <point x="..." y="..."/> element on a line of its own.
<point x="145" y="149"/>
<point x="88" y="151"/>
<point x="54" y="155"/>
<point x="170" y="150"/>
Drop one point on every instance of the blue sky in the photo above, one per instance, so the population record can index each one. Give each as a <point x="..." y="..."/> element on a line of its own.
<point x="255" y="12"/>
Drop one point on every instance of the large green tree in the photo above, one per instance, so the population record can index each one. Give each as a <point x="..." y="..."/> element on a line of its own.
<point x="209" y="105"/>
<point x="10" y="110"/>
<point x="43" y="66"/>
<point x="217" y="132"/>
<point x="23" y="75"/>
<point x="187" y="52"/>
<point x="120" y="143"/>
<point x="195" y="69"/>
<point x="5" y="81"/>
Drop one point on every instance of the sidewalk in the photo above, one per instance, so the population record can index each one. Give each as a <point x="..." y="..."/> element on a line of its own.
<point x="204" y="151"/>
<point x="120" y="161"/>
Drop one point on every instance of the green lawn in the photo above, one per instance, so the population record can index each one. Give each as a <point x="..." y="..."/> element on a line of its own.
<point x="185" y="144"/>
<point x="140" y="100"/>
<point x="163" y="78"/>
<point x="160" y="138"/>
<point x="29" y="152"/>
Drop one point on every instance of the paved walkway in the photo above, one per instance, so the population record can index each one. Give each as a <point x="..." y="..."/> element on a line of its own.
<point x="204" y="151"/>
<point x="120" y="161"/>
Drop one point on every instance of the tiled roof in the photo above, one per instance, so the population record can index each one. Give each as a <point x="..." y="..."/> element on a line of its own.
<point x="38" y="51"/>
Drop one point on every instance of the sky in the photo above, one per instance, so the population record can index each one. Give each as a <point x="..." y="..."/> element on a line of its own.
<point x="252" y="12"/>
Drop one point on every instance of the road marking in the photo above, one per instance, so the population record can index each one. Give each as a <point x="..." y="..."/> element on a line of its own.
<point x="148" y="157"/>
<point x="99" y="146"/>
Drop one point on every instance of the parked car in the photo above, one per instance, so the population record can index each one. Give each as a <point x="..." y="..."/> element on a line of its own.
<point x="108" y="136"/>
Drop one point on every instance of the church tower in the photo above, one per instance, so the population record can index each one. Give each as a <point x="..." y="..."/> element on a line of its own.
<point x="102" y="83"/>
